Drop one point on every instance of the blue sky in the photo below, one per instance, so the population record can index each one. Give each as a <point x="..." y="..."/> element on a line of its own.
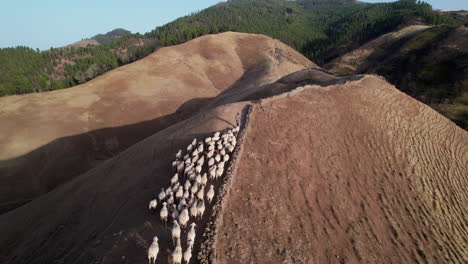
<point x="54" y="23"/>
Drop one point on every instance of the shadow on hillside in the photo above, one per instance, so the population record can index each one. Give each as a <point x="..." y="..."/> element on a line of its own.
<point x="25" y="177"/>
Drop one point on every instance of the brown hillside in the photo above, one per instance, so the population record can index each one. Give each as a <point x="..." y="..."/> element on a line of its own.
<point x="84" y="43"/>
<point x="354" y="173"/>
<point x="48" y="138"/>
<point x="349" y="171"/>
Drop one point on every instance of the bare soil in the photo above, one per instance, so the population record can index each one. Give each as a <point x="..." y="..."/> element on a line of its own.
<point x="353" y="173"/>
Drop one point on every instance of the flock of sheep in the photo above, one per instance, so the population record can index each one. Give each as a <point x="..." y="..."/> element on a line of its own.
<point x="184" y="199"/>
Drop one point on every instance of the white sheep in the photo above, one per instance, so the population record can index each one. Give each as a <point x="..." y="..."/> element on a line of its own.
<point x="201" y="208"/>
<point x="186" y="156"/>
<point x="195" y="159"/>
<point x="188" y="254"/>
<point x="184" y="217"/>
<point x="180" y="193"/>
<point x="198" y="179"/>
<point x="194" y="188"/>
<point x="212" y="172"/>
<point x="226" y="158"/>
<point x="198" y="169"/>
<point x="168" y="191"/>
<point x="208" y="139"/>
<point x="220" y="147"/>
<point x="231" y="148"/>
<point x="170" y="199"/>
<point x="162" y="195"/>
<point x="175" y="212"/>
<point x="191" y="234"/>
<point x="210" y="154"/>
<point x="200" y="148"/>
<point x="189" y="148"/>
<point x="193" y="210"/>
<point x="187" y="184"/>
<point x="211" y="162"/>
<point x="178" y="154"/>
<point x="217" y="134"/>
<point x="175" y="164"/>
<point x="153" y="251"/>
<point x="192" y="200"/>
<point x="175" y="187"/>
<point x="219" y="172"/>
<point x="153" y="204"/>
<point x="210" y="194"/>
<point x="175" y="232"/>
<point x="195" y="153"/>
<point x="201" y="193"/>
<point x="211" y="147"/>
<point x="194" y="141"/>
<point x="164" y="213"/>
<point x="222" y="152"/>
<point x="186" y="194"/>
<point x="181" y="166"/>
<point x="175" y="179"/>
<point x="182" y="204"/>
<point x="177" y="254"/>
<point x="201" y="161"/>
<point x="204" y="179"/>
<point x="221" y="164"/>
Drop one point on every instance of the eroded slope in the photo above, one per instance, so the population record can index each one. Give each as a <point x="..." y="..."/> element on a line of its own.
<point x="354" y="173"/>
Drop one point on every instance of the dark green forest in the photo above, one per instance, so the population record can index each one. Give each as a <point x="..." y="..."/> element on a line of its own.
<point x="313" y="27"/>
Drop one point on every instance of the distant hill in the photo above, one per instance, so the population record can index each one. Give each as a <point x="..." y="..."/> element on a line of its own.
<point x="99" y="39"/>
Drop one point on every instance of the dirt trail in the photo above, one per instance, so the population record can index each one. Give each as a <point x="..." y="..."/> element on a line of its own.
<point x="354" y="173"/>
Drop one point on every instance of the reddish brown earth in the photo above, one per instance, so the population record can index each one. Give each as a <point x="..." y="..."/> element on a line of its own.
<point x="49" y="138"/>
<point x="353" y="173"/>
<point x="84" y="43"/>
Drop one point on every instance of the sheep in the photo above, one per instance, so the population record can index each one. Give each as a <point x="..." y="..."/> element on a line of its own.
<point x="182" y="204"/>
<point x="201" y="161"/>
<point x="192" y="176"/>
<point x="153" y="204"/>
<point x="217" y="134"/>
<point x="175" y="179"/>
<point x="226" y="158"/>
<point x="177" y="254"/>
<point x="210" y="154"/>
<point x="201" y="208"/>
<point x="201" y="193"/>
<point x="175" y="187"/>
<point x="180" y="167"/>
<point x="211" y="162"/>
<point x="204" y="179"/>
<point x="178" y="154"/>
<point x="212" y="172"/>
<point x="187" y="184"/>
<point x="189" y="148"/>
<point x="186" y="156"/>
<point x="194" y="141"/>
<point x="230" y="148"/>
<point x="186" y="194"/>
<point x="217" y="158"/>
<point x="168" y="191"/>
<point x="164" y="213"/>
<point x="195" y="153"/>
<point x="193" y="210"/>
<point x="162" y="195"/>
<point x="221" y="165"/>
<point x="195" y="159"/>
<point x="175" y="232"/>
<point x="198" y="169"/>
<point x="194" y="188"/>
<point x="208" y="139"/>
<point x="180" y="193"/>
<point x="219" y="172"/>
<point x="198" y="179"/>
<point x="191" y="234"/>
<point x="192" y="200"/>
<point x="175" y="212"/>
<point x="211" y="147"/>
<point x="153" y="251"/>
<point x="170" y="200"/>
<point x="188" y="254"/>
<point x="210" y="194"/>
<point x="175" y="164"/>
<point x="222" y="152"/>
<point x="184" y="217"/>
<point x="220" y="147"/>
<point x="200" y="148"/>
